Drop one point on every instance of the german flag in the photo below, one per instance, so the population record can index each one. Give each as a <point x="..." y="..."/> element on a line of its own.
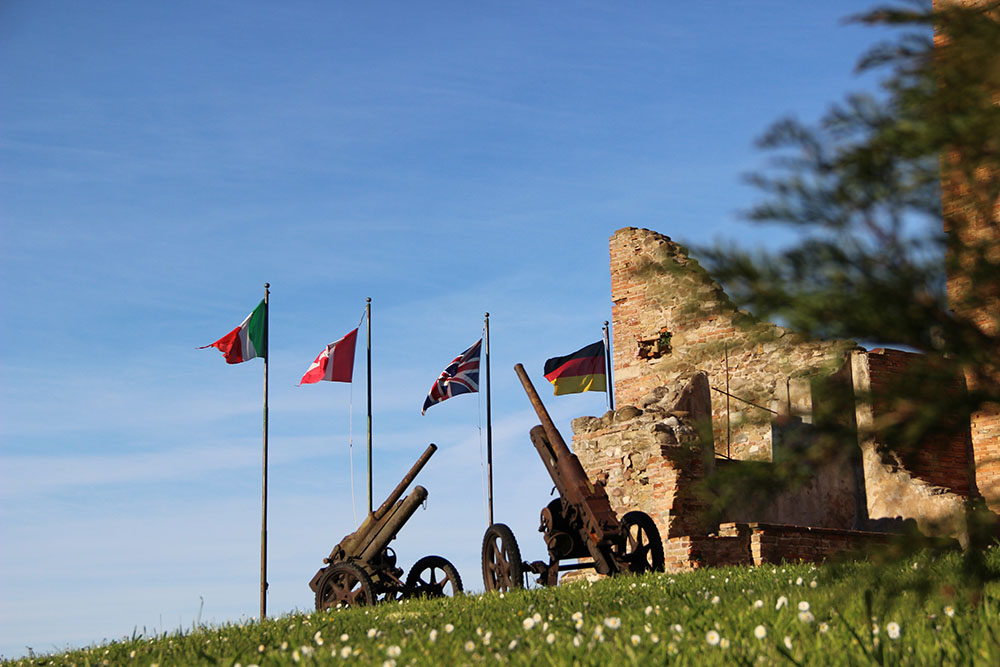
<point x="581" y="371"/>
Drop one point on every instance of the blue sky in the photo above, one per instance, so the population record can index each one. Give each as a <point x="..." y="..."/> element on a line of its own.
<point x="159" y="162"/>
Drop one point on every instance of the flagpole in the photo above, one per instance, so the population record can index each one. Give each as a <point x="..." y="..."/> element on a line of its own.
<point x="368" y="314"/>
<point x="489" y="425"/>
<point x="608" y="367"/>
<point x="263" y="514"/>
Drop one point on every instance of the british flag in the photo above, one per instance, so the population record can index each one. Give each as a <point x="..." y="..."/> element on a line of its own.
<point x="460" y="377"/>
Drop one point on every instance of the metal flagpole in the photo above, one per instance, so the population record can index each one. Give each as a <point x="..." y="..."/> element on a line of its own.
<point x="263" y="514"/>
<point x="368" y="314"/>
<point x="489" y="424"/>
<point x="608" y="366"/>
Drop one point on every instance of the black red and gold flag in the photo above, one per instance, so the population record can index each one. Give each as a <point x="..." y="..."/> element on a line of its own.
<point x="584" y="370"/>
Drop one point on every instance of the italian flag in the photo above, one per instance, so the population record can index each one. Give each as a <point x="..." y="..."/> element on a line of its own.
<point x="246" y="341"/>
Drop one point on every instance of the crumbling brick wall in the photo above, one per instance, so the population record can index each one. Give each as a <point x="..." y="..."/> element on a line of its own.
<point x="972" y="220"/>
<point x="941" y="460"/>
<point x="670" y="319"/>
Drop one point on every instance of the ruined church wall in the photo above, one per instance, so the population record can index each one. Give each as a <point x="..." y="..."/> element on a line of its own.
<point x="670" y="319"/>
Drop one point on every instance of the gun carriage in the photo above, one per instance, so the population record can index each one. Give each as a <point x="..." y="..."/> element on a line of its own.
<point x="361" y="569"/>
<point x="578" y="524"/>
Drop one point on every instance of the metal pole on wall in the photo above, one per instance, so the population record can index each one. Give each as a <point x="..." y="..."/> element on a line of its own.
<point x="263" y="514"/>
<point x="368" y="314"/>
<point x="729" y="430"/>
<point x="608" y="367"/>
<point x="489" y="426"/>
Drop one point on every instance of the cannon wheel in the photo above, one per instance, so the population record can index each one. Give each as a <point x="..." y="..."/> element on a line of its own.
<point x="502" y="569"/>
<point x="643" y="548"/>
<point x="433" y="577"/>
<point x="344" y="584"/>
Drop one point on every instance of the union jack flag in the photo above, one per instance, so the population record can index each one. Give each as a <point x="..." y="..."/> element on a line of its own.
<point x="460" y="377"/>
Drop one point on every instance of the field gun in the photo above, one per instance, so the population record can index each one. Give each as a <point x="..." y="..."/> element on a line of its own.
<point x="578" y="524"/>
<point x="362" y="570"/>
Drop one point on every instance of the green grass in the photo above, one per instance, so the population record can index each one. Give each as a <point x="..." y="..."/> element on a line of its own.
<point x="917" y="611"/>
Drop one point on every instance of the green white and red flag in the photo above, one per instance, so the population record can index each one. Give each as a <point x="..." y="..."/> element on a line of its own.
<point x="246" y="341"/>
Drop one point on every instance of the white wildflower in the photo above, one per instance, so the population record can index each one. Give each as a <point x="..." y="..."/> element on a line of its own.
<point x="806" y="616"/>
<point x="318" y="638"/>
<point x="528" y="623"/>
<point x="724" y="643"/>
<point x="613" y="622"/>
<point x="678" y="630"/>
<point x="345" y="652"/>
<point x="433" y="635"/>
<point x="949" y="611"/>
<point x="892" y="629"/>
<point x="260" y="649"/>
<point x="712" y="637"/>
<point x="803" y="606"/>
<point x="715" y="600"/>
<point x="788" y="642"/>
<point x="470" y="646"/>
<point x="393" y="651"/>
<point x="649" y="610"/>
<point x="813" y="584"/>
<point x="757" y="604"/>
<point x="372" y="632"/>
<point x="760" y="632"/>
<point x="578" y="615"/>
<point x="344" y="637"/>
<point x="782" y="601"/>
<point x="512" y="645"/>
<point x="635" y="639"/>
<point x="798" y="582"/>
<point x="823" y="627"/>
<point x="549" y="638"/>
<point x="577" y="640"/>
<point x="306" y="650"/>
<point x="655" y="638"/>
<point x="448" y="627"/>
<point x="389" y="663"/>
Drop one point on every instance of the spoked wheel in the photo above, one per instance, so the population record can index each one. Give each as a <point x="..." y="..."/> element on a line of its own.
<point x="433" y="577"/>
<point x="643" y="546"/>
<point x="502" y="569"/>
<point x="345" y="585"/>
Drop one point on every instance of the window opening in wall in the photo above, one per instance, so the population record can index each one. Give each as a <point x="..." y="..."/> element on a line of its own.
<point x="656" y="347"/>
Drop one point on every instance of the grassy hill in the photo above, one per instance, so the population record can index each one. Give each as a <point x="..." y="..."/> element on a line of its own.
<point x="921" y="610"/>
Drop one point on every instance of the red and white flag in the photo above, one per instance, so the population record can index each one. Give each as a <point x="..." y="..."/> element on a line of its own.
<point x="335" y="363"/>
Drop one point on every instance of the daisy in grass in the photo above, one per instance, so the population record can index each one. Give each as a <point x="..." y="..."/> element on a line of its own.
<point x="712" y="638"/>
<point x="393" y="651"/>
<point x="448" y="627"/>
<point x="613" y="622"/>
<point x="470" y="646"/>
<point x="892" y="629"/>
<point x="760" y="632"/>
<point x="782" y="601"/>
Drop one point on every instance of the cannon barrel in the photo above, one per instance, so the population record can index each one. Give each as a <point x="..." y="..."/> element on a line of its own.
<point x="390" y="524"/>
<point x="565" y="469"/>
<point x="353" y="544"/>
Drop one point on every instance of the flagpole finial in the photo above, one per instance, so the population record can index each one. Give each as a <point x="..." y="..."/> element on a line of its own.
<point x="267" y="285"/>
<point x="605" y="323"/>
<point x="487" y="314"/>
<point x="368" y="299"/>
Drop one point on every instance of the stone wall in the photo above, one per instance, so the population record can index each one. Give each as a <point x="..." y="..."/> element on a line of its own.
<point x="942" y="460"/>
<point x="892" y="491"/>
<point x="670" y="319"/>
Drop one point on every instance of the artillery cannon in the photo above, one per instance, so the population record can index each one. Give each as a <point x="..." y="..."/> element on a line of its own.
<point x="578" y="524"/>
<point x="361" y="569"/>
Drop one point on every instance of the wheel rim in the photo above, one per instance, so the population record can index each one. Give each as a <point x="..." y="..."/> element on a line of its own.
<point x="498" y="564"/>
<point x="433" y="576"/>
<point x="344" y="587"/>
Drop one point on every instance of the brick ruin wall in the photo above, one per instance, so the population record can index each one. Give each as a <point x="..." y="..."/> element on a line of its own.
<point x="672" y="325"/>
<point x="974" y="221"/>
<point x="942" y="460"/>
<point x="670" y="319"/>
